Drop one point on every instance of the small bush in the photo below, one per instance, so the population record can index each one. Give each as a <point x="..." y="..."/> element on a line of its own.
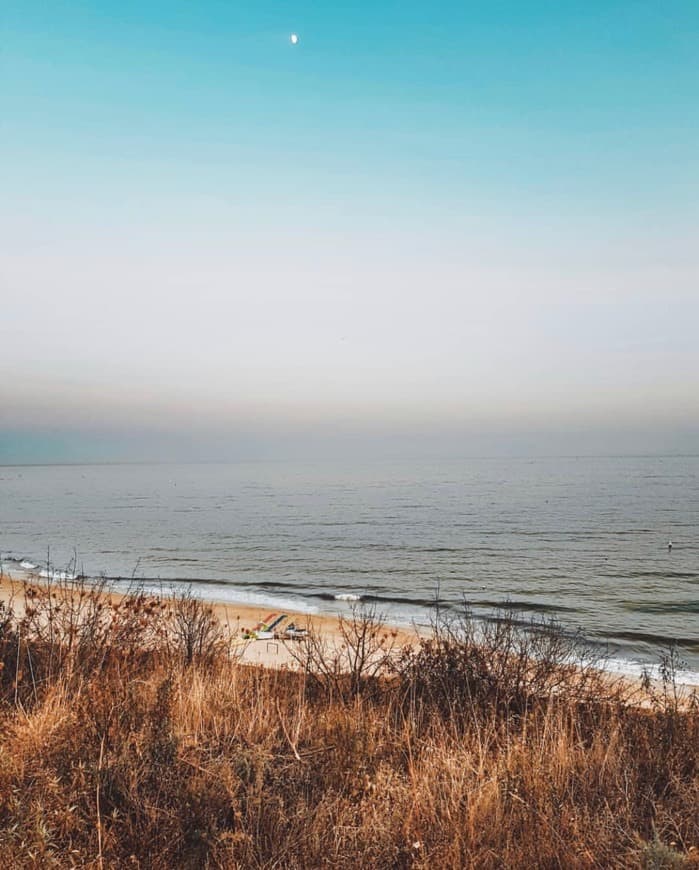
<point x="657" y="856"/>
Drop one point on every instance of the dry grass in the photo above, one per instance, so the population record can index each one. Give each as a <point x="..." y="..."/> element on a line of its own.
<point x="130" y="737"/>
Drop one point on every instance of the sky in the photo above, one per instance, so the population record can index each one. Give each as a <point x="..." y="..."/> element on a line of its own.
<point x="428" y="228"/>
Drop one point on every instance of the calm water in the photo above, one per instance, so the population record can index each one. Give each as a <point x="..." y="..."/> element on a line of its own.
<point x="584" y="540"/>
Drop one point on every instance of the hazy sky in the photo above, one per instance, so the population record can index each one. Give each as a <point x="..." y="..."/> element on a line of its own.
<point x="443" y="226"/>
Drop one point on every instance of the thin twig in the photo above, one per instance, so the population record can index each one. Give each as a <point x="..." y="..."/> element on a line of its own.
<point x="286" y="734"/>
<point x="99" y="815"/>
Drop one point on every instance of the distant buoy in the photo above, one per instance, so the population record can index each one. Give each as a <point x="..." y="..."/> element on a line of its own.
<point x="294" y="39"/>
<point x="669" y="545"/>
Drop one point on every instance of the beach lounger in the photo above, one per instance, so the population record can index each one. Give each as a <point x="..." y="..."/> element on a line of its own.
<point x="277" y="622"/>
<point x="265" y="623"/>
<point x="261" y="627"/>
<point x="269" y="632"/>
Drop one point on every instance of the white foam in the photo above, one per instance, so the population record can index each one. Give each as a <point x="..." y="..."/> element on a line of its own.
<point x="227" y="594"/>
<point x="27" y="565"/>
<point x="347" y="596"/>
<point x="631" y="668"/>
<point x="53" y="574"/>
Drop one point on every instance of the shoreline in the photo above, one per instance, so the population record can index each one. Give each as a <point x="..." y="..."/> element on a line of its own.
<point x="236" y="617"/>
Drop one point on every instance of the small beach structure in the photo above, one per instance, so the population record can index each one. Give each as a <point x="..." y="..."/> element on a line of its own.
<point x="267" y="628"/>
<point x="294" y="633"/>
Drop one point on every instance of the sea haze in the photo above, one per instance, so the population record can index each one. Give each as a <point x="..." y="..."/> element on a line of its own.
<point x="584" y="540"/>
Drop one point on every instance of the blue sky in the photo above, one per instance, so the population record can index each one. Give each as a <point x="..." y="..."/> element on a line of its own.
<point x="443" y="217"/>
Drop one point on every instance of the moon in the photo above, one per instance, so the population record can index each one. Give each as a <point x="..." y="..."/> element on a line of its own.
<point x="293" y="39"/>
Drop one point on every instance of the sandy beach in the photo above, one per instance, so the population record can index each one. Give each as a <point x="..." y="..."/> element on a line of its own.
<point x="278" y="652"/>
<point x="238" y="619"/>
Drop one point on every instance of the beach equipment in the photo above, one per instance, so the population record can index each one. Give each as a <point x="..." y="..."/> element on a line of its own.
<point x="294" y="633"/>
<point x="277" y="622"/>
<point x="264" y="624"/>
<point x="260" y="628"/>
<point x="269" y="632"/>
<point x="266" y="629"/>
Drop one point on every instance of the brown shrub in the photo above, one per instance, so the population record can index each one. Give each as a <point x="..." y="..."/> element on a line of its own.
<point x="129" y="748"/>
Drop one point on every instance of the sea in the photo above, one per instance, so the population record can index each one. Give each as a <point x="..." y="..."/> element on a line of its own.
<point x="583" y="541"/>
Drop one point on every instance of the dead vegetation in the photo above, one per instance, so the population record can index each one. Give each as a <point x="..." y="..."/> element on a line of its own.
<point x="131" y="737"/>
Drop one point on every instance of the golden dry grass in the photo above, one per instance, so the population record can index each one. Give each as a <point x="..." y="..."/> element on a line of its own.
<point x="131" y="737"/>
